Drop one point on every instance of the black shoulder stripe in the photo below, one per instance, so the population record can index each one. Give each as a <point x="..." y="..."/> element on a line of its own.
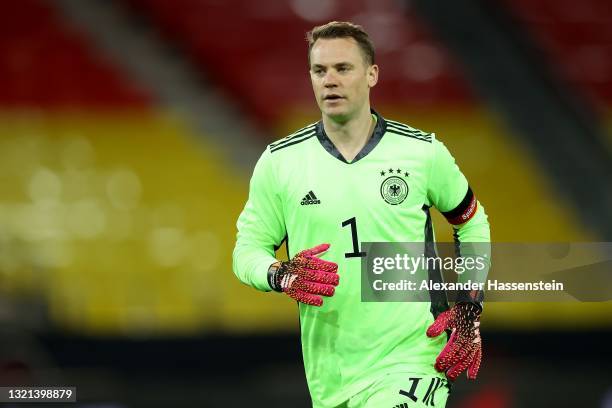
<point x="292" y="142"/>
<point x="402" y="125"/>
<point x="411" y="135"/>
<point x="297" y="133"/>
<point x="407" y="129"/>
<point x="292" y="136"/>
<point x="303" y="130"/>
<point x="398" y="124"/>
<point x="293" y="139"/>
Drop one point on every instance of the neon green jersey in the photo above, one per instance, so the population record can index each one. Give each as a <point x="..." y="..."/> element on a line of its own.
<point x="303" y="190"/>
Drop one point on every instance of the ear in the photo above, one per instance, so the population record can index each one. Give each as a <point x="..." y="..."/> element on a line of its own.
<point x="372" y="75"/>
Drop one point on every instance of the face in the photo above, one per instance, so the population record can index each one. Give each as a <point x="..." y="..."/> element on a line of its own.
<point x="341" y="78"/>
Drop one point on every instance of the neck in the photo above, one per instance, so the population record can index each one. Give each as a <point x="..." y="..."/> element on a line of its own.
<point x="350" y="136"/>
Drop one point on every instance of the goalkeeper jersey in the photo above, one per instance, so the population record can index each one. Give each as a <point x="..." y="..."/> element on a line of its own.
<point x="304" y="191"/>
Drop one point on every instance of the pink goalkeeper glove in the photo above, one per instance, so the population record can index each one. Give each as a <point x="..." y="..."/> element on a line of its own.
<point x="464" y="348"/>
<point x="305" y="277"/>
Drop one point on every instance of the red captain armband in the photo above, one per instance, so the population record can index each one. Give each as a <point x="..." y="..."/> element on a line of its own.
<point x="464" y="211"/>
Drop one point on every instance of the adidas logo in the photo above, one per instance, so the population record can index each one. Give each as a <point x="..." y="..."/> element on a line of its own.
<point x="310" y="198"/>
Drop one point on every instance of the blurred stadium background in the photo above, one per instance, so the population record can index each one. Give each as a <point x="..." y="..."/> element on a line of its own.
<point x="128" y="131"/>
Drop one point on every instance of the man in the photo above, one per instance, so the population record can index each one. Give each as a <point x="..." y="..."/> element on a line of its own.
<point x="325" y="187"/>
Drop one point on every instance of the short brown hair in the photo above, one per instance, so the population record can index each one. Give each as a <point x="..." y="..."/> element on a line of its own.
<point x="342" y="29"/>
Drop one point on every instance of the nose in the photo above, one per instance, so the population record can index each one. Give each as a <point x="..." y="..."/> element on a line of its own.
<point x="330" y="80"/>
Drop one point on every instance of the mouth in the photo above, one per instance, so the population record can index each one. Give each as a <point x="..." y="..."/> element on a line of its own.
<point x="332" y="97"/>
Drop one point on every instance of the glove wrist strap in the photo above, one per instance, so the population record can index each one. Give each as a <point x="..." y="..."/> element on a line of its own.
<point x="274" y="275"/>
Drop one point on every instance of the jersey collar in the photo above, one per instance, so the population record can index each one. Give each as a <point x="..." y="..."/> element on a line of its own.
<point x="379" y="131"/>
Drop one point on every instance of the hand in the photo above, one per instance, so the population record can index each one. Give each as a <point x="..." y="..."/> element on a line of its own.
<point x="464" y="348"/>
<point x="305" y="277"/>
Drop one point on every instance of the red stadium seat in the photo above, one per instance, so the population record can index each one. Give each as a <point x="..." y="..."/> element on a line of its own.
<point x="44" y="63"/>
<point x="259" y="54"/>
<point x="576" y="36"/>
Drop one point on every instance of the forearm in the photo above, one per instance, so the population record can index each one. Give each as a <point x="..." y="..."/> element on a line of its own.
<point x="251" y="265"/>
<point x="260" y="227"/>
<point x="473" y="240"/>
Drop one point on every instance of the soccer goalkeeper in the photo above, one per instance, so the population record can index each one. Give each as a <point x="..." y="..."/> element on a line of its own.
<point x="355" y="177"/>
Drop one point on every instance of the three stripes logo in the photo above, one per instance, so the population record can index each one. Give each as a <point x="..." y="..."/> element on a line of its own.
<point x="403" y="405"/>
<point x="310" y="199"/>
<point x="303" y="134"/>
<point x="405" y="130"/>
